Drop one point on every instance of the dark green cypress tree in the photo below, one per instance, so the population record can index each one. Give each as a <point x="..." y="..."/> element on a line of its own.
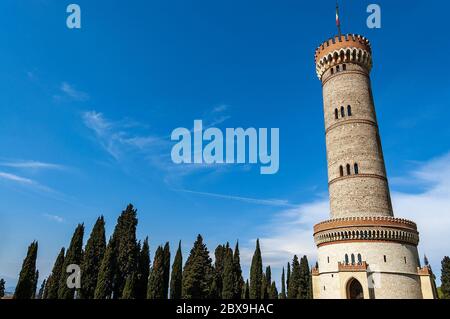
<point x="294" y="280"/>
<point x="198" y="274"/>
<point x="25" y="285"/>
<point x="265" y="289"/>
<point x="40" y="294"/>
<point x="305" y="279"/>
<point x="273" y="292"/>
<point x="143" y="271"/>
<point x="2" y="287"/>
<point x="228" y="279"/>
<point x="92" y="258"/>
<point x="237" y="270"/>
<point x="35" y="283"/>
<point x="219" y="266"/>
<point x="176" y="279"/>
<point x="156" y="280"/>
<point x="166" y="269"/>
<point x="288" y="277"/>
<point x="52" y="285"/>
<point x="73" y="257"/>
<point x="126" y="260"/>
<point x="247" y="290"/>
<point x="256" y="274"/>
<point x="129" y="290"/>
<point x="104" y="287"/>
<point x="283" y="286"/>
<point x="445" y="277"/>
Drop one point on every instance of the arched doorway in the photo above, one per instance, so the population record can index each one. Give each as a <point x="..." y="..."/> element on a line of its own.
<point x="354" y="289"/>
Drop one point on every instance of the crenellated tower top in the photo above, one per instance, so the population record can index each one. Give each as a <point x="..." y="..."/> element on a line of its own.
<point x="347" y="48"/>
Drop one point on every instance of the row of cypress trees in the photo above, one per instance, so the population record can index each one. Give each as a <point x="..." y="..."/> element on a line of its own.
<point x="120" y="269"/>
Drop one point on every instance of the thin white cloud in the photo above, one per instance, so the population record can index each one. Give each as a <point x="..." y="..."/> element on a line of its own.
<point x="24" y="181"/>
<point x="291" y="231"/>
<point x="17" y="179"/>
<point x="35" y="165"/>
<point x="116" y="138"/>
<point x="55" y="218"/>
<point x="70" y="91"/>
<point x="220" y="108"/>
<point x="265" y="202"/>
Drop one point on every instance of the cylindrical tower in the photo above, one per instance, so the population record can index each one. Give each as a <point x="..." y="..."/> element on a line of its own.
<point x="356" y="172"/>
<point x="363" y="251"/>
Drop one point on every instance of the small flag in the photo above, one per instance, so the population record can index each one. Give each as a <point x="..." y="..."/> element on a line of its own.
<point x="338" y="22"/>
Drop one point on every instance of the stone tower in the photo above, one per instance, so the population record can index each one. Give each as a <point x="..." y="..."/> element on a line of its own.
<point x="363" y="251"/>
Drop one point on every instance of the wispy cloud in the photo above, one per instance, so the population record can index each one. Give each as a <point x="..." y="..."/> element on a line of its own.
<point x="55" y="218"/>
<point x="264" y="202"/>
<point x="291" y="231"/>
<point x="68" y="90"/>
<point x="116" y="138"/>
<point x="17" y="179"/>
<point x="34" y="165"/>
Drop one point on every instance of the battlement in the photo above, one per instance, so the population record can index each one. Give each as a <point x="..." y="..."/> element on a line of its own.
<point x="343" y="41"/>
<point x="349" y="48"/>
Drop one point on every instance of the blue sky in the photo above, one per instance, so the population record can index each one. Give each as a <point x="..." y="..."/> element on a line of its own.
<point x="86" y="116"/>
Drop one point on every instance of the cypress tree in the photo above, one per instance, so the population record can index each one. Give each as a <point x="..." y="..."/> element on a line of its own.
<point x="305" y="279"/>
<point x="52" y="285"/>
<point x="126" y="258"/>
<point x="238" y="280"/>
<point x="264" y="287"/>
<point x="73" y="257"/>
<point x="228" y="279"/>
<point x="198" y="274"/>
<point x="288" y="277"/>
<point x="36" y="279"/>
<point x="166" y="269"/>
<point x="273" y="292"/>
<point x="219" y="266"/>
<point x="143" y="271"/>
<point x="283" y="286"/>
<point x="93" y="256"/>
<point x="104" y="287"/>
<point x="294" y="280"/>
<point x="247" y="290"/>
<point x="25" y="285"/>
<point x="156" y="280"/>
<point x="2" y="288"/>
<point x="129" y="289"/>
<point x="40" y="294"/>
<point x="445" y="277"/>
<point x="256" y="274"/>
<point x="176" y="279"/>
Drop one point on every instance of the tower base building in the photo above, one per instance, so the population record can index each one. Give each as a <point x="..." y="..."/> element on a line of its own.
<point x="364" y="252"/>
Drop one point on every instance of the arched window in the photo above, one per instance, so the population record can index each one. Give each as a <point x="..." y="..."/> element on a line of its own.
<point x="344" y="67"/>
<point x="348" y="169"/>
<point x="337" y="69"/>
<point x="332" y="71"/>
<point x="342" y="111"/>
<point x="353" y="259"/>
<point x="359" y="259"/>
<point x="336" y="113"/>
<point x="346" y="259"/>
<point x="341" y="170"/>
<point x="349" y="110"/>
<point x="356" y="168"/>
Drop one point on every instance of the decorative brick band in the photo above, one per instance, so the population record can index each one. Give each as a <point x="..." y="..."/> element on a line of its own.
<point x="343" y="73"/>
<point x="362" y="229"/>
<point x="350" y="121"/>
<point x="356" y="176"/>
<point x="343" y="267"/>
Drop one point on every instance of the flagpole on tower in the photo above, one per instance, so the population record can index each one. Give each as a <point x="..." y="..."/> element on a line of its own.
<point x="338" y="21"/>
